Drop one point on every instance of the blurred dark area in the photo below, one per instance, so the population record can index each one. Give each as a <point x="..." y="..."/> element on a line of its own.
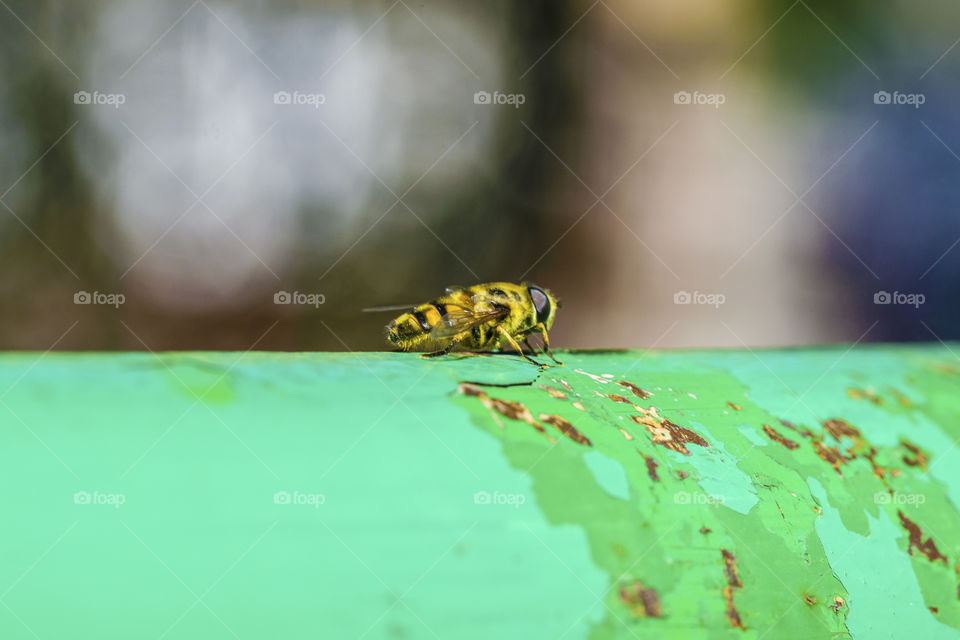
<point x="236" y="175"/>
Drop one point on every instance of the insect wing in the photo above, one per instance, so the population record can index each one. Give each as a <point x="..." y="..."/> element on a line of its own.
<point x="460" y="319"/>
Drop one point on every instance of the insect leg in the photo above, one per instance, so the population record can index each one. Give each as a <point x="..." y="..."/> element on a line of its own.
<point x="546" y="341"/>
<point x="513" y="343"/>
<point x="526" y="343"/>
<point x="443" y="351"/>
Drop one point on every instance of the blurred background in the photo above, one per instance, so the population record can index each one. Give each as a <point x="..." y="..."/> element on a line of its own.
<point x="234" y="175"/>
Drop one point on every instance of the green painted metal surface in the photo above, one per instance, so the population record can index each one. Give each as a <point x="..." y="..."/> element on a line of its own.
<point x="805" y="493"/>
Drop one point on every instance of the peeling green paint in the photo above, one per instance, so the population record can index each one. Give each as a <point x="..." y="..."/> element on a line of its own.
<point x="885" y="599"/>
<point x="695" y="494"/>
<point x="609" y="474"/>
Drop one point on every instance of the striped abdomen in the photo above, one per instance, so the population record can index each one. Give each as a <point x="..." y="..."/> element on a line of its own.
<point x="411" y="331"/>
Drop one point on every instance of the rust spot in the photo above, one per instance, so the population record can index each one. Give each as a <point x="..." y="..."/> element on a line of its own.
<point x="934" y="610"/>
<point x="735" y="407"/>
<point x="564" y="384"/>
<point x="864" y="394"/>
<point x="625" y="434"/>
<point x="919" y="458"/>
<point x="554" y="393"/>
<point x="838" y="428"/>
<point x="776" y="437"/>
<point x="566" y="428"/>
<point x="618" y="398"/>
<point x="651" y="466"/>
<point x="668" y="434"/>
<point x="642" y="602"/>
<point x="733" y="582"/>
<point x="830" y="455"/>
<point x="683" y="475"/>
<point x="806" y="433"/>
<point x="730" y="569"/>
<point x="637" y="391"/>
<point x="880" y="472"/>
<point x="705" y="530"/>
<point x="902" y="399"/>
<point x="508" y="408"/>
<point x="811" y="600"/>
<point x="928" y="548"/>
<point x="838" y="603"/>
<point x="579" y="406"/>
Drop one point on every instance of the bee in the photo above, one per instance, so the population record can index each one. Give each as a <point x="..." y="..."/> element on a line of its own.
<point x="483" y="317"/>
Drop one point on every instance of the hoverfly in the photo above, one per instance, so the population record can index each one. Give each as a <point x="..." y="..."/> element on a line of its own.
<point x="483" y="317"/>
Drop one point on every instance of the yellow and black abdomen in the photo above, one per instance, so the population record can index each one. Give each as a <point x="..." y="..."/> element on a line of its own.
<point x="411" y="331"/>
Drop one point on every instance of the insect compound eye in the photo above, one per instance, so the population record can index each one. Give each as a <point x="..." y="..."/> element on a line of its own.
<point x="540" y="302"/>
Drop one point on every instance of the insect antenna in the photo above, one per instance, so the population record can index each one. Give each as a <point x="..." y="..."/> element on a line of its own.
<point x="393" y="307"/>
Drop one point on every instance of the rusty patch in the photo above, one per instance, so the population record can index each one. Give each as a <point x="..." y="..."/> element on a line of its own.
<point x="806" y="433"/>
<point x="838" y="603"/>
<point x="565" y="428"/>
<point x="554" y="393"/>
<point x="730" y="569"/>
<point x="776" y="437"/>
<point x="625" y="434"/>
<point x="864" y="394"/>
<point x="902" y="399"/>
<point x="830" y="455"/>
<point x="508" y="408"/>
<point x="682" y="475"/>
<point x="618" y="398"/>
<point x="733" y="582"/>
<point x="564" y="384"/>
<point x="667" y="434"/>
<point x="811" y="600"/>
<point x="838" y="428"/>
<point x="642" y="602"/>
<point x="705" y="530"/>
<point x="651" y="466"/>
<point x="928" y="548"/>
<point x="637" y="391"/>
<point x="735" y="407"/>
<point x="919" y="458"/>
<point x="934" y="610"/>
<point x="879" y="471"/>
